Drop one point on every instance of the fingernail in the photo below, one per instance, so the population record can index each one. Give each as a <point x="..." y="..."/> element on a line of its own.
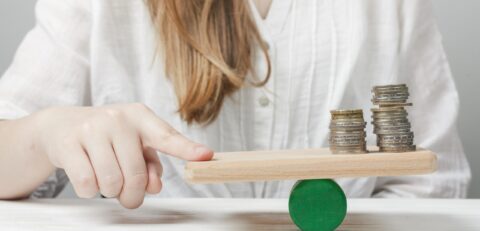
<point x="201" y="150"/>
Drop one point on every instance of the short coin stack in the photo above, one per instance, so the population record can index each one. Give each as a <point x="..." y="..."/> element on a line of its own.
<point x="390" y="120"/>
<point x="347" y="132"/>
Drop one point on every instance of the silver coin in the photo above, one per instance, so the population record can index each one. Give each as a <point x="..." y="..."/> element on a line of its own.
<point x="347" y="142"/>
<point x="390" y="132"/>
<point x="389" y="89"/>
<point x="400" y="129"/>
<point x="396" y="115"/>
<point x="392" y="142"/>
<point x="389" y="114"/>
<point x="348" y="150"/>
<point x="390" y="121"/>
<point x="391" y="86"/>
<point x="346" y="111"/>
<point x="398" y="149"/>
<point x="391" y="92"/>
<point x="346" y="146"/>
<point x="347" y="132"/>
<point x="387" y="99"/>
<point x="389" y="96"/>
<point x="346" y="137"/>
<point x="346" y="114"/>
<point x="341" y="140"/>
<point x="360" y="151"/>
<point x="398" y="146"/>
<point x="392" y="126"/>
<point x="388" y="117"/>
<point x="387" y="122"/>
<point x="388" y="109"/>
<point x="397" y="99"/>
<point x="387" y="104"/>
<point x="377" y="102"/>
<point x="343" y="128"/>
<point x="394" y="137"/>
<point x="358" y="147"/>
<point x="348" y="123"/>
<point x="386" y="132"/>
<point x="395" y="145"/>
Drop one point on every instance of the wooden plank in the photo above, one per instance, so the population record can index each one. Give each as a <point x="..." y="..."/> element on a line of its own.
<point x="306" y="164"/>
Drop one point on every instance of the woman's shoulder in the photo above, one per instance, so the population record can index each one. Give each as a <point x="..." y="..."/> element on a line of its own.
<point x="127" y="9"/>
<point x="94" y="10"/>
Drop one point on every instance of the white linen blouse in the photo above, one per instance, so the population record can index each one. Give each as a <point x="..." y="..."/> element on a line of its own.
<point x="325" y="55"/>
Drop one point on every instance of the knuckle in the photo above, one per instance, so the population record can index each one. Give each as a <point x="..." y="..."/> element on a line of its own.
<point x="67" y="140"/>
<point x="137" y="181"/>
<point x="114" y="113"/>
<point x="87" y="127"/>
<point x="112" y="181"/>
<point x="61" y="152"/>
<point x="85" y="181"/>
<point x="170" y="134"/>
<point x="102" y="121"/>
<point x="111" y="185"/>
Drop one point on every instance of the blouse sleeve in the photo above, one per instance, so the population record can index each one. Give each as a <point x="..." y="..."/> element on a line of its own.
<point x="50" y="68"/>
<point x="424" y="67"/>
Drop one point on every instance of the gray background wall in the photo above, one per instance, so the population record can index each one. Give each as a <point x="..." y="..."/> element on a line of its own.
<point x="459" y="22"/>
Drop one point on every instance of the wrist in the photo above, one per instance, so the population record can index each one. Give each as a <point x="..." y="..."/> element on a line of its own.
<point x="29" y="137"/>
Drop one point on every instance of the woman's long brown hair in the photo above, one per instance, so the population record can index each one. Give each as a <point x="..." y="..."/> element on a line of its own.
<point x="208" y="47"/>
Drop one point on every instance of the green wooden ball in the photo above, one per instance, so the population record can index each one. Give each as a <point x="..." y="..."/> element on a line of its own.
<point x="317" y="205"/>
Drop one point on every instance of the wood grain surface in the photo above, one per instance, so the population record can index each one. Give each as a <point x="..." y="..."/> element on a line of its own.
<point x="232" y="214"/>
<point x="306" y="164"/>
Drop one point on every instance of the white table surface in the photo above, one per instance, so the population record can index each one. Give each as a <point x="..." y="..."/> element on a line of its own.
<point x="232" y="214"/>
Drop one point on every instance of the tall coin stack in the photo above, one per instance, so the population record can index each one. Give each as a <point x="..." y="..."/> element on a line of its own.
<point x="390" y="122"/>
<point x="347" y="132"/>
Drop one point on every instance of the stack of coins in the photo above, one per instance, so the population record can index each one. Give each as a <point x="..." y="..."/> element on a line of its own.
<point x="390" y="120"/>
<point x="347" y="132"/>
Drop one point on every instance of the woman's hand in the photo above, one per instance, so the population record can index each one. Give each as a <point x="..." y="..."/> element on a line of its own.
<point x="111" y="149"/>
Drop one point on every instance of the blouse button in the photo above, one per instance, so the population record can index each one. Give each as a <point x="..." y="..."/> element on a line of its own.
<point x="263" y="101"/>
<point x="266" y="44"/>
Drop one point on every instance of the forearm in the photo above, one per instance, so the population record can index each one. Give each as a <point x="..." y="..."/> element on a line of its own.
<point x="22" y="167"/>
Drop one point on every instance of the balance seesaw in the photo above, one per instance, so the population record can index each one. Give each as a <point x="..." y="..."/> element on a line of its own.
<point x="316" y="202"/>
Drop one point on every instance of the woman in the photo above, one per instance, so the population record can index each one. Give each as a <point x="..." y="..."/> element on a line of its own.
<point x="97" y="87"/>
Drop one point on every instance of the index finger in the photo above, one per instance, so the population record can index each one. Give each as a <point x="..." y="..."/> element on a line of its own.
<point x="157" y="134"/>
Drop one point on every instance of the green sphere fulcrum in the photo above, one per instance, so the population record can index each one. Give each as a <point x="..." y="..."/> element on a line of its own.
<point x="317" y="205"/>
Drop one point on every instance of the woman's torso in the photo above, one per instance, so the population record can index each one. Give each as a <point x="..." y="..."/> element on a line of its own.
<point x="324" y="55"/>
